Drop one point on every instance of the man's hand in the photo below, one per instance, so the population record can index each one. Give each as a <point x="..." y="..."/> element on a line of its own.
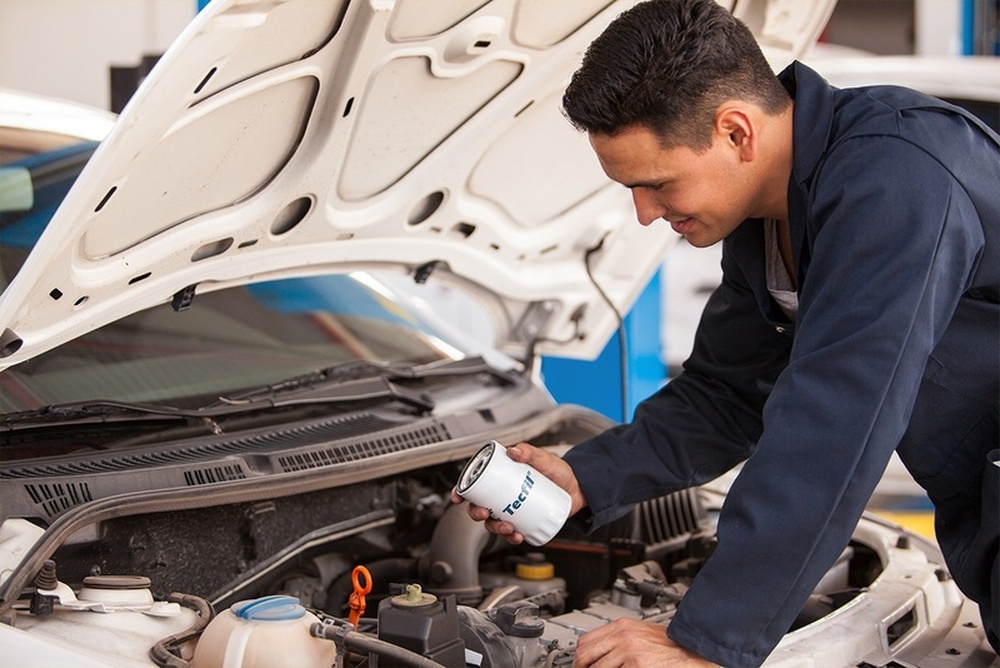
<point x="631" y="643"/>
<point x="546" y="463"/>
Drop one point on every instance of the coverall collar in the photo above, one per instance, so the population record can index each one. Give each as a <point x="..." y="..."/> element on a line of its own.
<point x="812" y="117"/>
<point x="812" y="124"/>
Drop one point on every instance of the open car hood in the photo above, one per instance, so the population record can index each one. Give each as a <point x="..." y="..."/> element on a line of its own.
<point x="292" y="137"/>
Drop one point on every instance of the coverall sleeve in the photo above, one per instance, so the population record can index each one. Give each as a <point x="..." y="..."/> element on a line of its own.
<point x="895" y="240"/>
<point x="700" y="424"/>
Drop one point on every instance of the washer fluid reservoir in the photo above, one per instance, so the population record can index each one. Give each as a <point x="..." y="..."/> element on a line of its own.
<point x="269" y="632"/>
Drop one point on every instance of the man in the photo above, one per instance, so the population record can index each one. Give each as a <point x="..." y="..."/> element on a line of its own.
<point x="859" y="313"/>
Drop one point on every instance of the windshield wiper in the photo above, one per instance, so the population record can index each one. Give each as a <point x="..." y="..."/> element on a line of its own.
<point x="97" y="410"/>
<point x="106" y="411"/>
<point x="341" y="383"/>
<point x="356" y="374"/>
<point x="324" y="376"/>
<point x="321" y="386"/>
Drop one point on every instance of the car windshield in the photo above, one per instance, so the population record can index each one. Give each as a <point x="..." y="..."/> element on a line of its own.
<point x="224" y="341"/>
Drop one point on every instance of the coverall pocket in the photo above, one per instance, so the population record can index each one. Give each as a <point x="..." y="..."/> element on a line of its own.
<point x="947" y="470"/>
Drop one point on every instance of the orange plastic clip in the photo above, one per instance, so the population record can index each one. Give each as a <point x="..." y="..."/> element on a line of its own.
<point x="357" y="599"/>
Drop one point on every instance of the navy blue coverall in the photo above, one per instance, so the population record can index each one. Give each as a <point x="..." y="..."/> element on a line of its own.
<point x="894" y="208"/>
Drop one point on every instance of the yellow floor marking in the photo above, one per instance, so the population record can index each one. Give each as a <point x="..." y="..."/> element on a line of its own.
<point x="922" y="521"/>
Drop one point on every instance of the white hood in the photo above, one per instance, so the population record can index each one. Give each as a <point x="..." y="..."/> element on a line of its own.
<point x="291" y="137"/>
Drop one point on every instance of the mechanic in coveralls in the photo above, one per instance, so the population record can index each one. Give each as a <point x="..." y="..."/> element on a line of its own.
<point x="859" y="313"/>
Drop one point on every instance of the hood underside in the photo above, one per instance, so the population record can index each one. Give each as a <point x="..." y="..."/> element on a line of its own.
<point x="294" y="137"/>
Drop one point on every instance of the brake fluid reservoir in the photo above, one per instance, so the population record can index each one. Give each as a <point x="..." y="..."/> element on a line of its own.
<point x="424" y="624"/>
<point x="534" y="576"/>
<point x="538" y="577"/>
<point x="269" y="632"/>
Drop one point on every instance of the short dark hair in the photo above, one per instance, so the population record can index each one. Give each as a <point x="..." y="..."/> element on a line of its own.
<point x="667" y="65"/>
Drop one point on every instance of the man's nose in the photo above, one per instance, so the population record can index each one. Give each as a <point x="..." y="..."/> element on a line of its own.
<point x="647" y="210"/>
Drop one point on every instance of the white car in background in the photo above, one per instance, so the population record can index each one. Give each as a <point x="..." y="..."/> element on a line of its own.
<point x="32" y="123"/>
<point x="218" y="405"/>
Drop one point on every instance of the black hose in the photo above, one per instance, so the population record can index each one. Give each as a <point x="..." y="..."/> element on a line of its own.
<point x="166" y="652"/>
<point x="359" y="642"/>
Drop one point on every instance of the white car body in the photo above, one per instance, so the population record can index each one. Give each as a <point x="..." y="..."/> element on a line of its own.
<point x="288" y="140"/>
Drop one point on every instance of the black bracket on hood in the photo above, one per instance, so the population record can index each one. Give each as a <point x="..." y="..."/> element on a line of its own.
<point x="424" y="271"/>
<point x="183" y="298"/>
<point x="10" y="342"/>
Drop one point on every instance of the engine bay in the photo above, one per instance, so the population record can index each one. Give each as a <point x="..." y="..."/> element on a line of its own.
<point x="435" y="587"/>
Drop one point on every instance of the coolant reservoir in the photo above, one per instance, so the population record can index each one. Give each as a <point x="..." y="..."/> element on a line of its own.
<point x="533" y="576"/>
<point x="269" y="632"/>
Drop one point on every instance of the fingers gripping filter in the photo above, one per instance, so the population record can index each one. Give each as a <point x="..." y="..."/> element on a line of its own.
<point x="515" y="493"/>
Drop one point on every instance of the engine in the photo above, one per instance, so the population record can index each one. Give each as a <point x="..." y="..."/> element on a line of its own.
<point x="393" y="574"/>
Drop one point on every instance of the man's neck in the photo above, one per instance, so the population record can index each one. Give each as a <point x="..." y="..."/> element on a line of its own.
<point x="777" y="175"/>
<point x="777" y="167"/>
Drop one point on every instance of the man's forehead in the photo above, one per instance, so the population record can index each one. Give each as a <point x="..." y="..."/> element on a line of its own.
<point x="636" y="157"/>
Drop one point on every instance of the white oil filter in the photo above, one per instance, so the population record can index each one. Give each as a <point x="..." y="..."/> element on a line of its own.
<point x="514" y="492"/>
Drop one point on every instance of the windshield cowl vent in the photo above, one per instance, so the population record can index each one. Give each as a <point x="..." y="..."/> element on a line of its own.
<point x="374" y="447"/>
<point x="264" y="442"/>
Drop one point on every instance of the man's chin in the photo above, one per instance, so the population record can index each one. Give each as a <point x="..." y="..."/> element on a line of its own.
<point x="700" y="240"/>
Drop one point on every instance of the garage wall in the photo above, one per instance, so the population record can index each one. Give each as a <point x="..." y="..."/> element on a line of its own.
<point x="66" y="48"/>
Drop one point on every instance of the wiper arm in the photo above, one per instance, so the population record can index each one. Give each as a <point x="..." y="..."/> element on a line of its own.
<point x="348" y="382"/>
<point x="313" y="388"/>
<point x="355" y="374"/>
<point x="120" y="411"/>
<point x="337" y="373"/>
<point x="99" y="410"/>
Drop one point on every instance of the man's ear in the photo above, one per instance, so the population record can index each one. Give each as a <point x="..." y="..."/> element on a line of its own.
<point x="735" y="125"/>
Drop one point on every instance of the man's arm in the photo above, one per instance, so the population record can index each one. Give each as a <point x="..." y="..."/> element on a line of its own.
<point x="701" y="423"/>
<point x="892" y="254"/>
